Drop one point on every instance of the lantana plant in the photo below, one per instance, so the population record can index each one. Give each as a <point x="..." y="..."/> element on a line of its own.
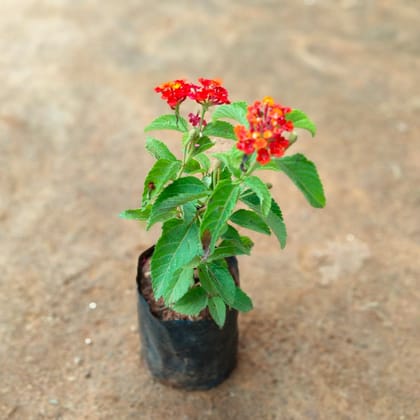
<point x="197" y="196"/>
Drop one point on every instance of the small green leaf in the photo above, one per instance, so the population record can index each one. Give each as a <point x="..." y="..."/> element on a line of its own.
<point x="204" y="162"/>
<point x="192" y="167"/>
<point x="206" y="281"/>
<point x="228" y="248"/>
<point x="189" y="211"/>
<point x="193" y="302"/>
<point x="242" y="301"/>
<point x="221" y="129"/>
<point x="235" y="111"/>
<point x="231" y="160"/>
<point x="178" y="246"/>
<point x="181" y="191"/>
<point x="221" y="204"/>
<point x="216" y="279"/>
<point x="161" y="173"/>
<point x="301" y="120"/>
<point x="158" y="149"/>
<point x="201" y="144"/>
<point x="217" y="310"/>
<point x="168" y="122"/>
<point x="274" y="219"/>
<point x="179" y="284"/>
<point x="225" y="174"/>
<point x="240" y="241"/>
<point x="304" y="175"/>
<point x="136" y="214"/>
<point x="250" y="220"/>
<point x="262" y="191"/>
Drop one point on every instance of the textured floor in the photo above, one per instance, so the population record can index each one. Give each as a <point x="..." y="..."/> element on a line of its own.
<point x="335" y="330"/>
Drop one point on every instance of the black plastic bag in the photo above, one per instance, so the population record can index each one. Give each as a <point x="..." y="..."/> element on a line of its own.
<point x="183" y="353"/>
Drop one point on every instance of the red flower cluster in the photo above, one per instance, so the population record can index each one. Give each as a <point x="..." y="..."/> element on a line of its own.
<point x="267" y="125"/>
<point x="174" y="92"/>
<point x="211" y="92"/>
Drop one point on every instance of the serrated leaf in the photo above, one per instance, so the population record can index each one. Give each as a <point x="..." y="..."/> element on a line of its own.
<point x="304" y="175"/>
<point x="221" y="204"/>
<point x="260" y="188"/>
<point x="206" y="281"/>
<point x="228" y="248"/>
<point x="217" y="309"/>
<point x="216" y="279"/>
<point x="193" y="302"/>
<point x="181" y="191"/>
<point x="250" y="220"/>
<point x="301" y="120"/>
<point x="235" y="111"/>
<point x="242" y="301"/>
<point x="158" y="149"/>
<point x="161" y="173"/>
<point x="168" y="122"/>
<point x="241" y="241"/>
<point x="177" y="247"/>
<point x="179" y="284"/>
<point x="136" y="214"/>
<point x="274" y="219"/>
<point x="221" y="129"/>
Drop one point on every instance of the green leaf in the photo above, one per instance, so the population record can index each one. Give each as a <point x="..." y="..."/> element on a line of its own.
<point x="274" y="219"/>
<point x="235" y="111"/>
<point x="168" y="122"/>
<point x="192" y="167"/>
<point x="305" y="176"/>
<point x="179" y="284"/>
<point x="193" y="302"/>
<point x="201" y="145"/>
<point x="260" y="188"/>
<point x="158" y="149"/>
<point x="225" y="174"/>
<point x="136" y="214"/>
<point x="231" y="160"/>
<point x="217" y="310"/>
<point x="206" y="281"/>
<point x="232" y="234"/>
<point x="181" y="191"/>
<point x="242" y="301"/>
<point x="161" y="173"/>
<point x="221" y="129"/>
<point x="221" y="204"/>
<point x="178" y="246"/>
<point x="217" y="280"/>
<point x="189" y="211"/>
<point x="204" y="162"/>
<point x="301" y="120"/>
<point x="228" y="248"/>
<point x="250" y="220"/>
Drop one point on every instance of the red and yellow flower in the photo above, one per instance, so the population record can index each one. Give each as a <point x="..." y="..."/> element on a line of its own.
<point x="267" y="131"/>
<point x="174" y="92"/>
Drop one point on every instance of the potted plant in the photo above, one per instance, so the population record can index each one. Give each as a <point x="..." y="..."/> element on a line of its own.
<point x="188" y="282"/>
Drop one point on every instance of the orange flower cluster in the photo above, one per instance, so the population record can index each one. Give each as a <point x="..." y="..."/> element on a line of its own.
<point x="210" y="92"/>
<point x="267" y="126"/>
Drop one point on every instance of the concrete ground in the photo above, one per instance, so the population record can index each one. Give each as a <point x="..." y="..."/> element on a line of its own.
<point x="335" y="330"/>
